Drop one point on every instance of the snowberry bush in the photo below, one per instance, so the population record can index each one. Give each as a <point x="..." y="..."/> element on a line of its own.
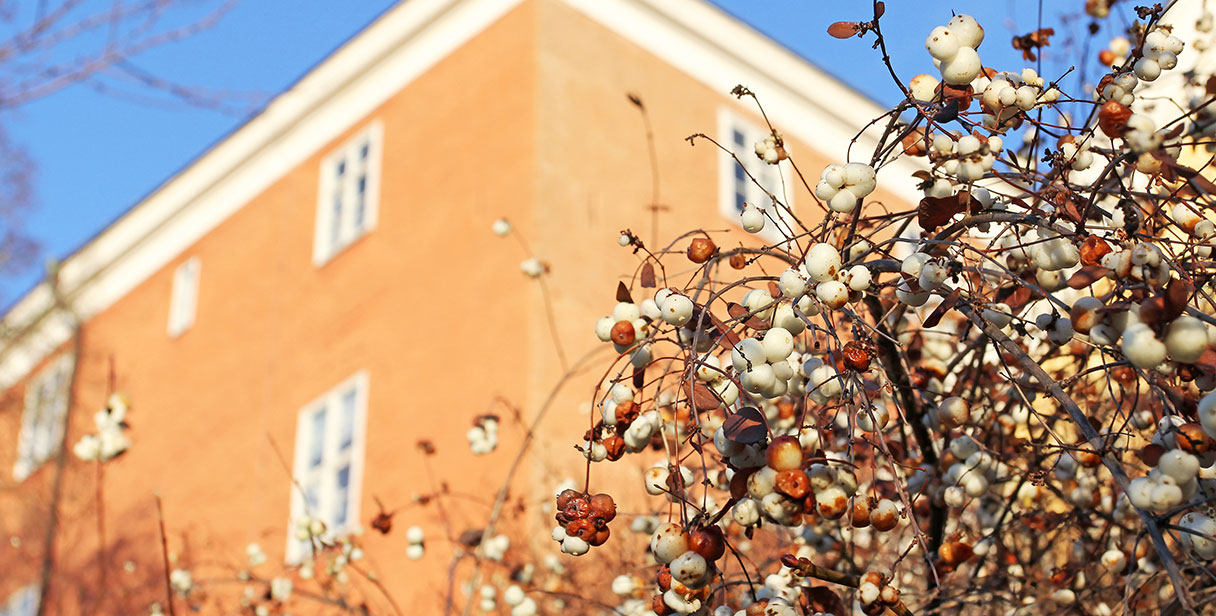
<point x="997" y="400"/>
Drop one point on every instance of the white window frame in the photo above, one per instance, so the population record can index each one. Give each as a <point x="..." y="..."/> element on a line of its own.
<point x="778" y="179"/>
<point x="339" y="219"/>
<point x="183" y="302"/>
<point x="23" y="602"/>
<point x="322" y="477"/>
<point x="46" y="407"/>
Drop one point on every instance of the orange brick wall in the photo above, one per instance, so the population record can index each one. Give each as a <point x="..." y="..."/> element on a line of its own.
<point x="528" y="120"/>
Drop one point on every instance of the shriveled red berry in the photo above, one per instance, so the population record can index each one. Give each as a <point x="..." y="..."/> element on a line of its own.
<point x="857" y="356"/>
<point x="793" y="483"/>
<point x="603" y="507"/>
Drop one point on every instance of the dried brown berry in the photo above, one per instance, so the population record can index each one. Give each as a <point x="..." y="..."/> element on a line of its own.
<point x="701" y="249"/>
<point x="793" y="483"/>
<point x="708" y="542"/>
<point x="857" y="356"/>
<point x="603" y="507"/>
<point x="623" y="333"/>
<point x="954" y="553"/>
<point x="1112" y="119"/>
<point x="615" y="447"/>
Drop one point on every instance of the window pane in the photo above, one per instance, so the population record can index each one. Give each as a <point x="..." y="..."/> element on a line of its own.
<point x="341" y="496"/>
<point x="363" y="152"/>
<point x="341" y="169"/>
<point x="312" y="495"/>
<point x="347" y="436"/>
<point x="360" y="201"/>
<point x="335" y="222"/>
<point x="740" y="140"/>
<point x="316" y="439"/>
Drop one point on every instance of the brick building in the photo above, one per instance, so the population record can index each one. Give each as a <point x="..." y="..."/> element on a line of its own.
<point x="323" y="283"/>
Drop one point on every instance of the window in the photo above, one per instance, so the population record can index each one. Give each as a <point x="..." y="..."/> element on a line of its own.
<point x="736" y="188"/>
<point x="24" y="602"/>
<point x="185" y="297"/>
<point x="329" y="462"/>
<point x="46" y="406"/>
<point x="349" y="194"/>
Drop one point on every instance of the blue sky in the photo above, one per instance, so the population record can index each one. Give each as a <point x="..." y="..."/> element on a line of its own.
<point x="97" y="155"/>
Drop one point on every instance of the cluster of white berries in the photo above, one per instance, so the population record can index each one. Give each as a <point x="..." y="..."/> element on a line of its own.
<point x="415" y="539"/>
<point x="844" y="186"/>
<point x="875" y="590"/>
<point x="111" y="439"/>
<point x="953" y="49"/>
<point x="1185" y="338"/>
<point x="970" y="477"/>
<point x="1007" y="94"/>
<point x="181" y="581"/>
<point x="280" y="589"/>
<point x="969" y="157"/>
<point x="1174" y="481"/>
<point x="256" y="556"/>
<point x="1078" y="157"/>
<point x="483" y="436"/>
<point x="690" y="569"/>
<point x="627" y="324"/>
<point x="501" y="227"/>
<point x="1158" y="53"/>
<point x="772" y="149"/>
<point x="763" y="365"/>
<point x="835" y="286"/>
<point x="521" y="604"/>
<point x="495" y="548"/>
<point x="532" y="267"/>
<point x="1120" y="88"/>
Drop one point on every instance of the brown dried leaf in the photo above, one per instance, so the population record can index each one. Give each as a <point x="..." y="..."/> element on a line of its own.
<point x="648" y="281"/>
<point x="824" y="599"/>
<point x="1018" y="298"/>
<point x="471" y="537"/>
<point x="1150" y="454"/>
<point x="622" y="293"/>
<point x="1152" y="310"/>
<point x="745" y="426"/>
<point x="1087" y="275"/>
<point x="1194" y="178"/>
<point x="736" y="311"/>
<point x="879" y="10"/>
<point x="935" y="317"/>
<point x="934" y="212"/>
<point x="1210" y="86"/>
<point x="701" y="397"/>
<point x="1176" y="295"/>
<point x="1029" y="42"/>
<point x="639" y="378"/>
<point x="844" y="29"/>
